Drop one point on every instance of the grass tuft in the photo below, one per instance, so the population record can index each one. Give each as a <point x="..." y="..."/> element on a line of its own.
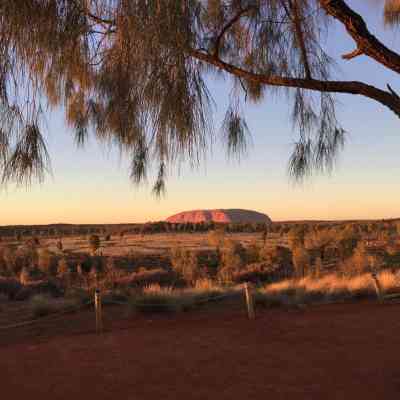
<point x="155" y="298"/>
<point x="41" y="305"/>
<point x="326" y="289"/>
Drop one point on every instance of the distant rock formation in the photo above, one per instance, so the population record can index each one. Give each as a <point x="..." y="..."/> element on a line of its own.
<point x="229" y="216"/>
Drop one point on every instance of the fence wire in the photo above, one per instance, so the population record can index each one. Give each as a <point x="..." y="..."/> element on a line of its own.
<point x="49" y="318"/>
<point x="60" y="315"/>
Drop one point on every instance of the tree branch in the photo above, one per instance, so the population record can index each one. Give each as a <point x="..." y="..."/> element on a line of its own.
<point x="228" y="26"/>
<point x="347" y="87"/>
<point x="355" y="53"/>
<point x="100" y="20"/>
<point x="366" y="42"/>
<point x="393" y="92"/>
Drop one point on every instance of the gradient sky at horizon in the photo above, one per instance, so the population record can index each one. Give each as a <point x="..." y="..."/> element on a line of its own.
<point x="91" y="185"/>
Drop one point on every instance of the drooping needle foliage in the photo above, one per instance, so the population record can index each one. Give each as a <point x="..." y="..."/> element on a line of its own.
<point x="134" y="74"/>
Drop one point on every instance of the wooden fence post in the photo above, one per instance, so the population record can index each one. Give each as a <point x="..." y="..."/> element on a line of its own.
<point x="98" y="311"/>
<point x="249" y="300"/>
<point x="377" y="285"/>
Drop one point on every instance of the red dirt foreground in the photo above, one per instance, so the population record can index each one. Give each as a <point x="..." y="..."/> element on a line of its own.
<point x="342" y="351"/>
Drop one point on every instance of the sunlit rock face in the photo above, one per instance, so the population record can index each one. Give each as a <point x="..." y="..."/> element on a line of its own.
<point x="229" y="216"/>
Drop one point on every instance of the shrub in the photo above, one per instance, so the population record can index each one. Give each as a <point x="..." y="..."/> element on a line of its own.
<point x="205" y="289"/>
<point x="62" y="268"/>
<point x="257" y="272"/>
<point x="278" y="256"/>
<point x="301" y="260"/>
<point x="25" y="293"/>
<point x="186" y="264"/>
<point x="24" y="276"/>
<point x="77" y="295"/>
<point x="49" y="287"/>
<point x="118" y="295"/>
<point x="216" y="237"/>
<point x="26" y="255"/>
<point x="59" y="245"/>
<point x="41" y="305"/>
<point x="94" y="242"/>
<point x="155" y="299"/>
<point x="9" y="287"/>
<point x="252" y="253"/>
<point x="146" y="277"/>
<point x="9" y="257"/>
<point x="233" y="259"/>
<point x="45" y="261"/>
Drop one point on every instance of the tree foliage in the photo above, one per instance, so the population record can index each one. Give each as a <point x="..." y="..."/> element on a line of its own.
<point x="94" y="243"/>
<point x="134" y="74"/>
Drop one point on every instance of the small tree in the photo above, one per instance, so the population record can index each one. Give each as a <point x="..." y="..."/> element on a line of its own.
<point x="318" y="267"/>
<point x="62" y="268"/>
<point x="216" y="237"/>
<point x="9" y="258"/>
<point x="186" y="264"/>
<point x="24" y="276"/>
<point x="264" y="236"/>
<point x="296" y="237"/>
<point x="59" y="245"/>
<point x="45" y="259"/>
<point x="93" y="274"/>
<point x="79" y="269"/>
<point x="359" y="259"/>
<point x="301" y="261"/>
<point x="233" y="259"/>
<point x="110" y="272"/>
<point x="94" y="243"/>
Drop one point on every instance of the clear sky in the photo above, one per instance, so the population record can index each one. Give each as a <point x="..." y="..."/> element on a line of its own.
<point x="92" y="185"/>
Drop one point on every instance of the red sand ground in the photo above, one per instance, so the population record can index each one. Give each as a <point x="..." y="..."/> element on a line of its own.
<point x="342" y="351"/>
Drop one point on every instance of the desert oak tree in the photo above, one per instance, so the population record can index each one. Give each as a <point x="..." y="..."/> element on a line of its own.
<point x="134" y="74"/>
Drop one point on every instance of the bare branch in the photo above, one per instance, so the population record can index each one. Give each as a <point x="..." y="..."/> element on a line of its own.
<point x="393" y="92"/>
<point x="355" y="53"/>
<point x="358" y="30"/>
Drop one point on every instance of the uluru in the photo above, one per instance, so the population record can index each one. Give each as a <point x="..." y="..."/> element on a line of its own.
<point x="227" y="216"/>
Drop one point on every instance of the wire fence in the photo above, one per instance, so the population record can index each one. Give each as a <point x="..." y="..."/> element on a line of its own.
<point x="97" y="306"/>
<point x="149" y="301"/>
<point x="48" y="318"/>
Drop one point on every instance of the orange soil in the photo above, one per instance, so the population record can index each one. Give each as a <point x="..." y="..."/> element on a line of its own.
<point x="342" y="351"/>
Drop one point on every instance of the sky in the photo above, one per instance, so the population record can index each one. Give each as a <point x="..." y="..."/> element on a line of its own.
<point x="92" y="185"/>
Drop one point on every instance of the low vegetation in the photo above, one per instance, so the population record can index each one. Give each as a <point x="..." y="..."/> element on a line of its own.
<point x="329" y="288"/>
<point x="155" y="298"/>
<point x="291" y="262"/>
<point x="42" y="305"/>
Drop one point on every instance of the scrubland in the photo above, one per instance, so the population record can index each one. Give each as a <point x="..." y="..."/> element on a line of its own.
<point x="177" y="269"/>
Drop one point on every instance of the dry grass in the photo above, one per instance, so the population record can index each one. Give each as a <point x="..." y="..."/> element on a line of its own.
<point x="42" y="305"/>
<point x="156" y="298"/>
<point x="326" y="289"/>
<point x="158" y="243"/>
